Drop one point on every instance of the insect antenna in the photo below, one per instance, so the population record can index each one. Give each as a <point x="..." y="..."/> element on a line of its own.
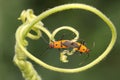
<point x="85" y="59"/>
<point x="45" y="40"/>
<point x="93" y="45"/>
<point x="42" y="54"/>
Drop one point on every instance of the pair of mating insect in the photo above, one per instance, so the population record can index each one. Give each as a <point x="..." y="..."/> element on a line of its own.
<point x="63" y="44"/>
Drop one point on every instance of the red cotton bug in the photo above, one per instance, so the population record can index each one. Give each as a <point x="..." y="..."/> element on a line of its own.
<point x="80" y="47"/>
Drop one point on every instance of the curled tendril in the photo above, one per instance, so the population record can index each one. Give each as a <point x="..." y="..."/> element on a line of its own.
<point x="67" y="28"/>
<point x="32" y="22"/>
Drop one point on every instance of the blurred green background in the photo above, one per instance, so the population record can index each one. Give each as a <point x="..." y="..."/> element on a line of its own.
<point x="91" y="28"/>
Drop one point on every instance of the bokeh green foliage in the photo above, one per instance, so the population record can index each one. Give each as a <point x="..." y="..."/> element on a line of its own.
<point x="91" y="28"/>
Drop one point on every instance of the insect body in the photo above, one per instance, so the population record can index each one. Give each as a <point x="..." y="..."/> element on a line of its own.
<point x="80" y="47"/>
